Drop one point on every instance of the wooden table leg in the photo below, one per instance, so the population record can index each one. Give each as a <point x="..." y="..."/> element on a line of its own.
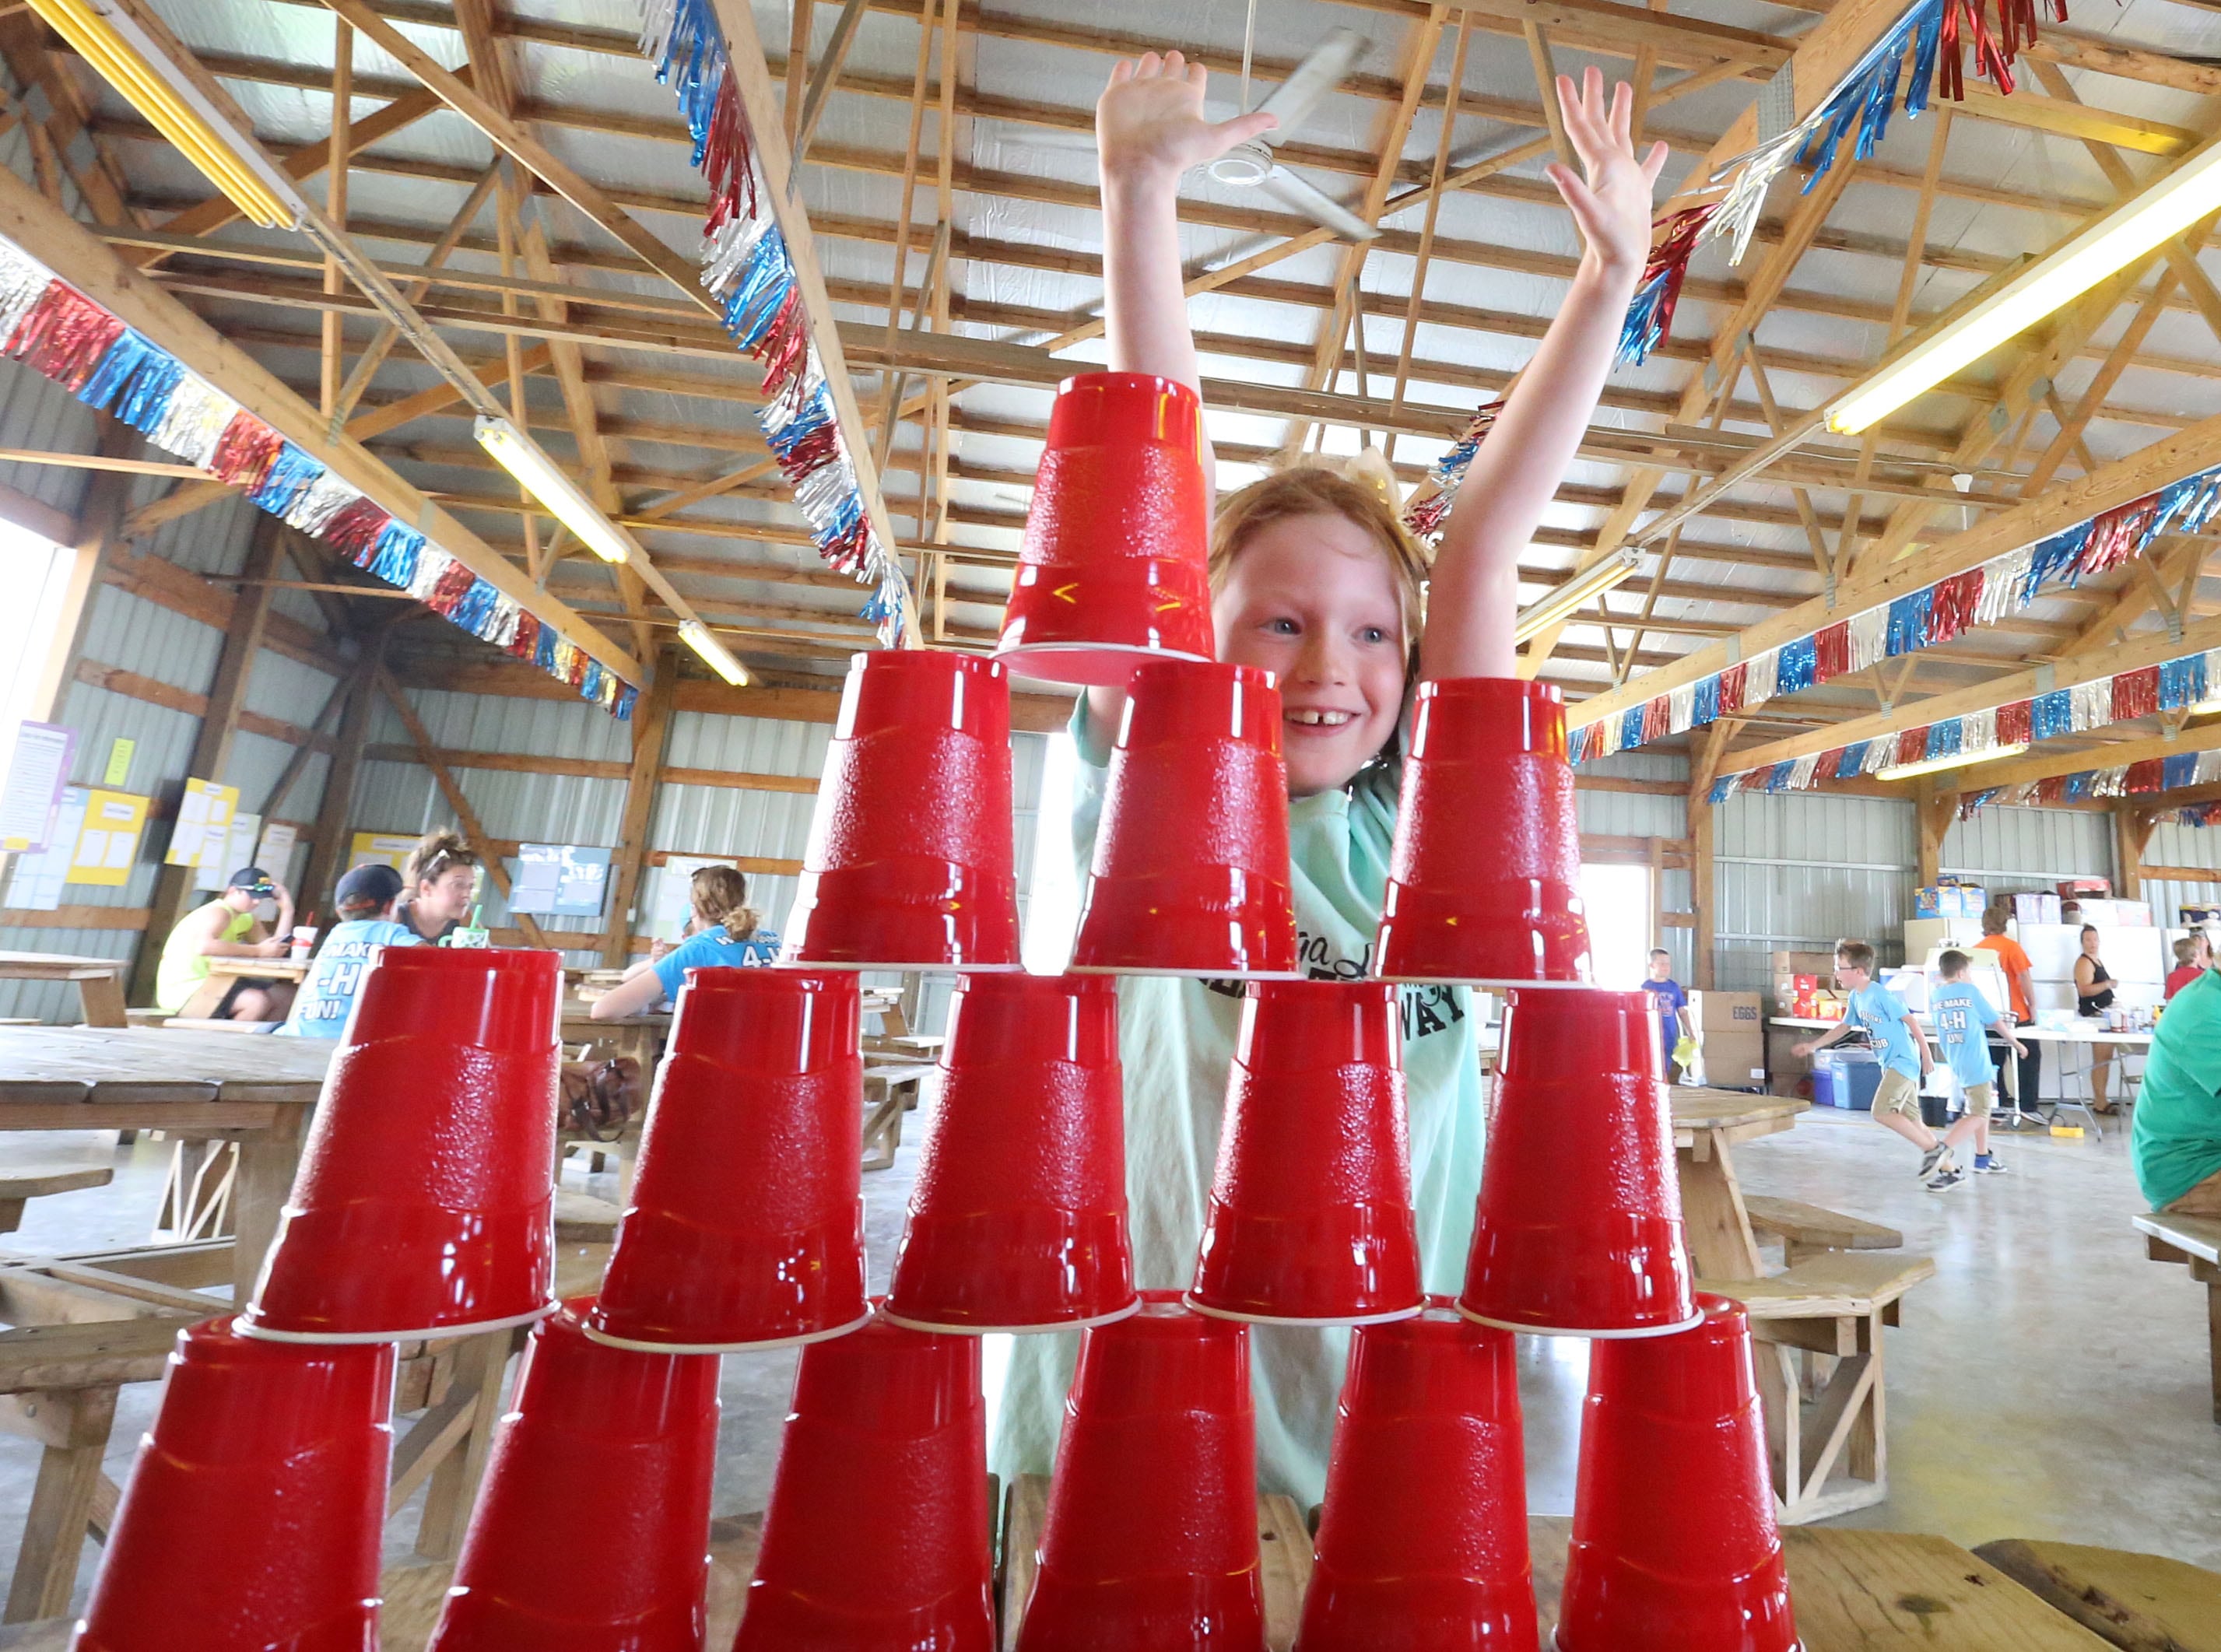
<point x="103" y="997"/>
<point x="73" y="1425"/>
<point x="267" y="1160"/>
<point x="480" y="1364"/>
<point x="1721" y="1244"/>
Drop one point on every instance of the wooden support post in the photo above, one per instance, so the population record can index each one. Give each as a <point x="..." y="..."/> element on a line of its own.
<point x="174" y="886"/>
<point x="328" y="851"/>
<point x="2132" y="831"/>
<point x="650" y="726"/>
<point x="1936" y="810"/>
<point x="99" y="531"/>
<point x="1707" y="748"/>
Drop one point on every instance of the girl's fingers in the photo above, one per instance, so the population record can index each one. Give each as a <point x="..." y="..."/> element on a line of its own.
<point x="1654" y="163"/>
<point x="1121" y="72"/>
<point x="1622" y="115"/>
<point x="1196" y="74"/>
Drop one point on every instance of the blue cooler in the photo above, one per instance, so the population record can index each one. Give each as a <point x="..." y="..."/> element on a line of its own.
<point x="1846" y="1078"/>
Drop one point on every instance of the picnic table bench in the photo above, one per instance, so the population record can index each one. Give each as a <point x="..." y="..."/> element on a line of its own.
<point x="2196" y="1241"/>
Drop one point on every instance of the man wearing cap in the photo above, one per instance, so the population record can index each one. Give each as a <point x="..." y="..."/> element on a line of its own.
<point x="366" y="923"/>
<point x="226" y="928"/>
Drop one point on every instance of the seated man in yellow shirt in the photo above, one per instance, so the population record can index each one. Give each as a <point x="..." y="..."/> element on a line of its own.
<point x="226" y="928"/>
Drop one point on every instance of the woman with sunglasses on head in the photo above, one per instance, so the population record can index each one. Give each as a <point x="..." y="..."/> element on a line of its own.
<point x="441" y="877"/>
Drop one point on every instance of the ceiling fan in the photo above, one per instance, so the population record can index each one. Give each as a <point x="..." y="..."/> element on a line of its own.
<point x="1253" y="164"/>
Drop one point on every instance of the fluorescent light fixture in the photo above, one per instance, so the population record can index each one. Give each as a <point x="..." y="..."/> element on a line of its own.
<point x="2131" y="229"/>
<point x="526" y="461"/>
<point x="138" y="61"/>
<point x="1589" y="584"/>
<point x="696" y="635"/>
<point x="1956" y="759"/>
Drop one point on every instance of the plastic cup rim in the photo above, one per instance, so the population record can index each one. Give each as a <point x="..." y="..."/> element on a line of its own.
<point x="1487" y="983"/>
<point x="940" y="967"/>
<point x="635" y="1345"/>
<point x="1197" y="974"/>
<point x="1188" y="1300"/>
<point x="1557" y="1645"/>
<point x="1141" y="650"/>
<point x="933" y="1329"/>
<point x="1616" y="1335"/>
<point x="245" y="1325"/>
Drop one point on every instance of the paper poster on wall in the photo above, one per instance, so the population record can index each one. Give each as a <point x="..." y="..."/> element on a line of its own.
<point x="674" y="903"/>
<point x="204" y="812"/>
<point x="274" y="853"/>
<point x="239" y="841"/>
<point x="560" y="880"/>
<point x="35" y="883"/>
<point x="32" y="792"/>
<point x="107" y="841"/>
<point x="379" y="849"/>
<point x="119" y="761"/>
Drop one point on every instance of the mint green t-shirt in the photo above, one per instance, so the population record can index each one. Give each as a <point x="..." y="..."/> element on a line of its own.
<point x="2176" y="1140"/>
<point x="1176" y="1040"/>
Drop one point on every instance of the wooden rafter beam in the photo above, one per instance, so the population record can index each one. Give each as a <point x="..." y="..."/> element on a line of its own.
<point x="72" y="251"/>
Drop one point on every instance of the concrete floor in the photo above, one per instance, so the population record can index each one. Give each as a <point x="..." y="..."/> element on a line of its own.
<point x="2048" y="1382"/>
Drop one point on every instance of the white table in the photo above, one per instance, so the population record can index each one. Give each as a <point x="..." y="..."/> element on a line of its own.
<point x="2081" y="1037"/>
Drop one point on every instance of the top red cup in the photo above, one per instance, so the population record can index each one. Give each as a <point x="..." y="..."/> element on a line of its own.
<point x="502" y="1000"/>
<point x="1484" y="880"/>
<point x="909" y="865"/>
<point x="1113" y="566"/>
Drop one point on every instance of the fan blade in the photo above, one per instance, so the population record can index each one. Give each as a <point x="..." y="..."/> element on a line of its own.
<point x="1321" y="210"/>
<point x="1317" y="75"/>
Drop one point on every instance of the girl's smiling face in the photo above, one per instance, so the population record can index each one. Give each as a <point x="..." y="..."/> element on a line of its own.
<point x="1312" y="599"/>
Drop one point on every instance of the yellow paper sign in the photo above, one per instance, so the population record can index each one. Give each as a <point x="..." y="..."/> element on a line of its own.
<point x="108" y="843"/>
<point x="119" y="761"/>
<point x="204" y="813"/>
<point x="379" y="849"/>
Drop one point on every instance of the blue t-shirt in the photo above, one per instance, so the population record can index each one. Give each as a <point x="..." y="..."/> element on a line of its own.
<point x="714" y="949"/>
<point x="327" y="995"/>
<point x="1881" y="1013"/>
<point x="1670" y="1001"/>
<point x="1958" y="1013"/>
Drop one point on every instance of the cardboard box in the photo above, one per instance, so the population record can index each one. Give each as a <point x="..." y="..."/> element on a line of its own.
<point x="1726" y="1011"/>
<point x="2076" y="886"/>
<point x="1735" y="1061"/>
<point x="1803" y="963"/>
<point x="2036" y="908"/>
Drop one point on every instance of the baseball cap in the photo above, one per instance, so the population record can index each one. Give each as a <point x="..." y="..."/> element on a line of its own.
<point x="254" y="878"/>
<point x="372" y="884"/>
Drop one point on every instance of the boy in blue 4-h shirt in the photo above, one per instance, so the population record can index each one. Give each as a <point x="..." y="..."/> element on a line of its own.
<point x="1873" y="1009"/>
<point x="1962" y="1016"/>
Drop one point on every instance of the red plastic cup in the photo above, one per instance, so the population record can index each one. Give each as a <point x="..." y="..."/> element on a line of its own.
<point x="1674" y="1543"/>
<point x="746" y="1225"/>
<point x="1114" y="564"/>
<point x="1151" y="1535"/>
<point x="1423" y="1540"/>
<point x="1190" y="872"/>
<point x="1017" y="1220"/>
<point x="1310" y="1219"/>
<point x="876" y="1537"/>
<point x="591" y="1531"/>
<point x="1578" y="1231"/>
<point x="255" y="1512"/>
<point x="908" y="864"/>
<point x="1484" y="880"/>
<point x="425" y="1202"/>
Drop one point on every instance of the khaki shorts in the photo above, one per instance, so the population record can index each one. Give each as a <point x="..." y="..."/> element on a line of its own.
<point x="1981" y="1097"/>
<point x="1896" y="1094"/>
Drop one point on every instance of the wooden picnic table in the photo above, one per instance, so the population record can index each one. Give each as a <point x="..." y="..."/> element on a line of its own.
<point x="1707" y="1124"/>
<point x="255" y="1092"/>
<point x="99" y="980"/>
<point x="261" y="969"/>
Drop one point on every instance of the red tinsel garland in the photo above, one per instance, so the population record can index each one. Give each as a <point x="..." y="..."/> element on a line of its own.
<point x="244" y="451"/>
<point x="1655" y="720"/>
<point x="64" y="335"/>
<point x="2014" y="722"/>
<point x="2136" y="694"/>
<point x="526" y="642"/>
<point x="1951" y="608"/>
<point x="2051" y="789"/>
<point x="1731" y="681"/>
<point x="845" y="553"/>
<point x="2150" y="775"/>
<point x="453" y="586"/>
<point x="355" y="527"/>
<point x="1832" y="651"/>
<point x="2115" y="537"/>
<point x="785" y="345"/>
<point x="1912" y="745"/>
<point x="725" y="158"/>
<point x="1830" y="761"/>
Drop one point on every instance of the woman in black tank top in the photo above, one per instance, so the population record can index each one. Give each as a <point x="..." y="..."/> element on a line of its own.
<point x="2093" y="995"/>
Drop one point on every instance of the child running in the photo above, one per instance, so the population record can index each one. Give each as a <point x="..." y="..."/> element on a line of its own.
<point x="1873" y="1009"/>
<point x="1962" y="1016"/>
<point x="1315" y="580"/>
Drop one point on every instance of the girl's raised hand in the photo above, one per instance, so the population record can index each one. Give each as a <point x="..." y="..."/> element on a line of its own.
<point x="1150" y="120"/>
<point x="1613" y="206"/>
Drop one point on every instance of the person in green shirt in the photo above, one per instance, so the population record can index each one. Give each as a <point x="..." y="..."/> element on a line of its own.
<point x="226" y="928"/>
<point x="2175" y="1142"/>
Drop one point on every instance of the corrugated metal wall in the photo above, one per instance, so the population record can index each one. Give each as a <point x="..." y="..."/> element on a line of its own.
<point x="1800" y="870"/>
<point x="2182" y="846"/>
